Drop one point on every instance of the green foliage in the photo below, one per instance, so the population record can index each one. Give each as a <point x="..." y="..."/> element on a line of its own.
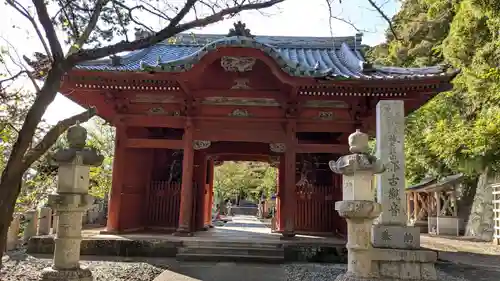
<point x="457" y="131"/>
<point x="244" y="180"/>
<point x="102" y="137"/>
<point x="41" y="179"/>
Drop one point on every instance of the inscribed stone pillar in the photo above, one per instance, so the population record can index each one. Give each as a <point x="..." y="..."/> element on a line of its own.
<point x="31" y="221"/>
<point x="13" y="234"/>
<point x="70" y="201"/>
<point x="44" y="221"/>
<point x="392" y="230"/>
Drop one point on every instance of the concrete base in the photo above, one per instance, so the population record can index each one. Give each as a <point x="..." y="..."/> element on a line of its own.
<point x="398" y="265"/>
<point x="182" y="233"/>
<point x="79" y="274"/>
<point x="287" y="235"/>
<point x="395" y="236"/>
<point x="405" y="264"/>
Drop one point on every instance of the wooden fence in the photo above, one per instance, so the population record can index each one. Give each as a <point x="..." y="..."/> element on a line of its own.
<point x="316" y="209"/>
<point x="164" y="201"/>
<point x="496" y="211"/>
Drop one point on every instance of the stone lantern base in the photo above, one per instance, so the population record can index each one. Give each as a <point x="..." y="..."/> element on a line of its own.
<point x="398" y="265"/>
<point x="78" y="274"/>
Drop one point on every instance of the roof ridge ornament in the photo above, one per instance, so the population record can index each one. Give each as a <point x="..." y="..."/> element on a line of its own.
<point x="240" y="29"/>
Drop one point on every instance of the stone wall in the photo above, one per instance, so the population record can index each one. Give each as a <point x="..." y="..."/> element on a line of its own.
<point x="480" y="221"/>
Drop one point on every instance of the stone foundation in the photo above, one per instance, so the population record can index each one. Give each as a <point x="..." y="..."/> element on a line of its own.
<point x="303" y="252"/>
<point x="404" y="264"/>
<point x="395" y="236"/>
<point x="398" y="265"/>
<point x="80" y="274"/>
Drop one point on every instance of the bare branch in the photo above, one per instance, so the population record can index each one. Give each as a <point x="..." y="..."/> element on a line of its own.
<point x="16" y="5"/>
<point x="50" y="32"/>
<point x="19" y="64"/>
<point x="43" y="98"/>
<point x="338" y="18"/>
<point x="90" y="26"/>
<point x="53" y="134"/>
<point x="172" y="29"/>
<point x="385" y="17"/>
<point x="13" y="77"/>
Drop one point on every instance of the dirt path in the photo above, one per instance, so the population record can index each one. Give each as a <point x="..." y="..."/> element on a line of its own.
<point x="464" y="251"/>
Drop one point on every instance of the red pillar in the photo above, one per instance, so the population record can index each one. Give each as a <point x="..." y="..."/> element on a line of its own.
<point x="280" y="202"/>
<point x="200" y="179"/>
<point x="290" y="194"/>
<point x="186" y="206"/>
<point x="210" y="191"/>
<point x="114" y="205"/>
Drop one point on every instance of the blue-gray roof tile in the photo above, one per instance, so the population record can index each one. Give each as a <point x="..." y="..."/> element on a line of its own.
<point x="298" y="56"/>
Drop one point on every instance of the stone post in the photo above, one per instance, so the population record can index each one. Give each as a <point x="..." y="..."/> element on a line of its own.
<point x="391" y="230"/>
<point x="55" y="222"/>
<point x="70" y="201"/>
<point x="44" y="221"/>
<point x="13" y="234"/>
<point x="358" y="206"/>
<point x="31" y="221"/>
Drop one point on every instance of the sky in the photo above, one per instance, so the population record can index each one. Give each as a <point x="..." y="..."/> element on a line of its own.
<point x="291" y="18"/>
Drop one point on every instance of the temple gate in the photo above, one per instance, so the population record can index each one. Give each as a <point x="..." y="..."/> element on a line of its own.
<point x="179" y="109"/>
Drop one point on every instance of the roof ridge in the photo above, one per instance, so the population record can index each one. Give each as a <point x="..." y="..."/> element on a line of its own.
<point x="315" y="42"/>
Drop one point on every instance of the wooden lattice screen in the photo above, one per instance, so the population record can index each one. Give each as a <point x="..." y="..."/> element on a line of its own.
<point x="496" y="210"/>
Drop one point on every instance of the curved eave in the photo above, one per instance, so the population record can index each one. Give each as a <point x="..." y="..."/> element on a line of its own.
<point x="186" y="63"/>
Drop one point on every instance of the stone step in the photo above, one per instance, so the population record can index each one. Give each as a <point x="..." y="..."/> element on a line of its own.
<point x="228" y="250"/>
<point x="233" y="244"/>
<point x="230" y="258"/>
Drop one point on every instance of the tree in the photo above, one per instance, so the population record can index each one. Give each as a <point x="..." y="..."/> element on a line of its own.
<point x="86" y="27"/>
<point x="457" y="131"/>
<point x="101" y="137"/>
<point x="244" y="180"/>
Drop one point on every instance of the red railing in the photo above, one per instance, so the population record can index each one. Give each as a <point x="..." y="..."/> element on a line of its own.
<point x="164" y="204"/>
<point x="315" y="209"/>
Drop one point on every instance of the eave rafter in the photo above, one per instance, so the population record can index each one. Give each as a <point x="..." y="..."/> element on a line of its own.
<point x="142" y="82"/>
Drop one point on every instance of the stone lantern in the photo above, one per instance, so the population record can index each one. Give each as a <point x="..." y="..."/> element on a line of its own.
<point x="70" y="201"/>
<point x="358" y="206"/>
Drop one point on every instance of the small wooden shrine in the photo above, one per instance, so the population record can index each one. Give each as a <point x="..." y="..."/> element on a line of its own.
<point x="433" y="205"/>
<point x="180" y="107"/>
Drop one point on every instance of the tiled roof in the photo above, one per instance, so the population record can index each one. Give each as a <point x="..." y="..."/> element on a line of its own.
<point x="326" y="57"/>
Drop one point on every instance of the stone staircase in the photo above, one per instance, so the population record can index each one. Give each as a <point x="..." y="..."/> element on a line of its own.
<point x="231" y="251"/>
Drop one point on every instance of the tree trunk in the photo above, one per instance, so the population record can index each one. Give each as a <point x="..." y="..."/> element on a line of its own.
<point x="480" y="222"/>
<point x="8" y="195"/>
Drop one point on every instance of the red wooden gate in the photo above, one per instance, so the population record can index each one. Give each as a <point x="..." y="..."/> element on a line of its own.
<point x="316" y="209"/>
<point x="164" y="201"/>
<point x="164" y="204"/>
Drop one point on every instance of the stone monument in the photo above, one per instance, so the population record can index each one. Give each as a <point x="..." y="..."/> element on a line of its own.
<point x="70" y="201"/>
<point x="366" y="262"/>
<point x="391" y="184"/>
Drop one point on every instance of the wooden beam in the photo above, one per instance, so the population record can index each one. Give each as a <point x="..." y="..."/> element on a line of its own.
<point x="242" y="157"/>
<point x="239" y="135"/>
<point x="239" y="94"/>
<point x="154" y="143"/>
<point x="212" y="122"/>
<point x="160" y="121"/>
<point x="322" y="148"/>
<point x="326" y="126"/>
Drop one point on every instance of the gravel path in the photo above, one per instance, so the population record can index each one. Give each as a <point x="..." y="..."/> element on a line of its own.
<point x="21" y="267"/>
